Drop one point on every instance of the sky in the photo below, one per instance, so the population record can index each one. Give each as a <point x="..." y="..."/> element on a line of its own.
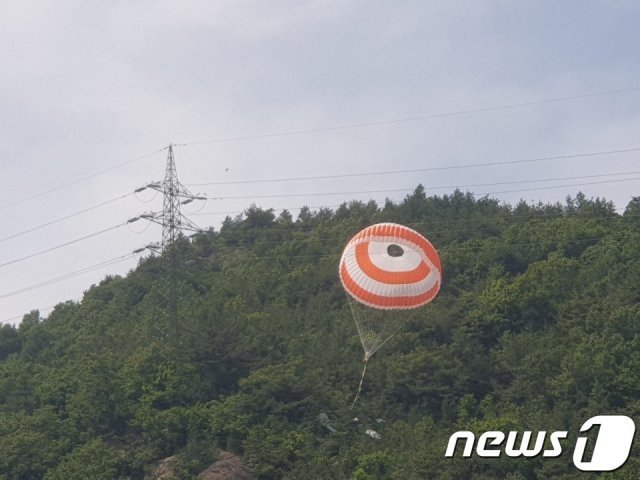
<point x="91" y="93"/>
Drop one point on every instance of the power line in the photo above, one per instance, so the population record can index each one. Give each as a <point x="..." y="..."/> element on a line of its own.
<point x="67" y="276"/>
<point x="315" y="194"/>
<point x="509" y="219"/>
<point x="288" y="195"/>
<point x="66" y="217"/>
<point x="458" y="186"/>
<point x="50" y="307"/>
<point x="236" y="212"/>
<point x="446" y="250"/>
<point x="487" y="223"/>
<point x="419" y="170"/>
<point x="42" y="252"/>
<point x="112" y="200"/>
<point x="320" y="207"/>
<point x="332" y="128"/>
<point x="411" y="119"/>
<point x="327" y="129"/>
<point x="555" y="179"/>
<point x="283" y="195"/>
<point x="20" y="317"/>
<point x="310" y="207"/>
<point x="79" y="180"/>
<point x="137" y="252"/>
<point x="562" y="186"/>
<point x="443" y="250"/>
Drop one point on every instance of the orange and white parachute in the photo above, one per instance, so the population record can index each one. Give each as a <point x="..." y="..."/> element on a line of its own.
<point x="387" y="269"/>
<point x="390" y="267"/>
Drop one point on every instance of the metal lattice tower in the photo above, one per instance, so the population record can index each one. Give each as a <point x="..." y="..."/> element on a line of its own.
<point x="173" y="223"/>
<point x="171" y="203"/>
<point x="175" y="194"/>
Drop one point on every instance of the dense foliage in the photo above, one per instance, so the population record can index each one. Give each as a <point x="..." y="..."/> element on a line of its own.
<point x="537" y="327"/>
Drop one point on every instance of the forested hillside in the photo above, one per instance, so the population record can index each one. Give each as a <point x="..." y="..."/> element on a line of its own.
<point x="537" y="327"/>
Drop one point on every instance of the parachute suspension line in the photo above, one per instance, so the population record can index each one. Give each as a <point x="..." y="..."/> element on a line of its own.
<point x="367" y="353"/>
<point x="371" y="339"/>
<point x="385" y="270"/>
<point x="359" y="326"/>
<point x="383" y="342"/>
<point x="364" y="370"/>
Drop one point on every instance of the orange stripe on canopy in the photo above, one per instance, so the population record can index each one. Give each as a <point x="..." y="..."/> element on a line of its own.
<point x="387" y="303"/>
<point x="384" y="276"/>
<point x="405" y="233"/>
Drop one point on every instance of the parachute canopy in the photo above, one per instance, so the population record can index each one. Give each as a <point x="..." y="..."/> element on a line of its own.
<point x="388" y="266"/>
<point x="387" y="269"/>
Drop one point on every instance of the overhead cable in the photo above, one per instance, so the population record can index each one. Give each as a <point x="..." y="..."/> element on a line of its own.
<point x="315" y="194"/>
<point x="488" y="223"/>
<point x="79" y="180"/>
<point x="425" y="169"/>
<point x="445" y="250"/>
<point x="76" y="273"/>
<point x="561" y="186"/>
<point x="66" y="217"/>
<point x="20" y="317"/>
<point x="42" y="252"/>
<point x="412" y="118"/>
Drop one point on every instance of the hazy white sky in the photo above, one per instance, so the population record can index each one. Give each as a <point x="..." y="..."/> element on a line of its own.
<point x="86" y="86"/>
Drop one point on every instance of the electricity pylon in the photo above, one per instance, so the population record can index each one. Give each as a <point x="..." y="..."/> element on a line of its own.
<point x="174" y="223"/>
<point x="175" y="194"/>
